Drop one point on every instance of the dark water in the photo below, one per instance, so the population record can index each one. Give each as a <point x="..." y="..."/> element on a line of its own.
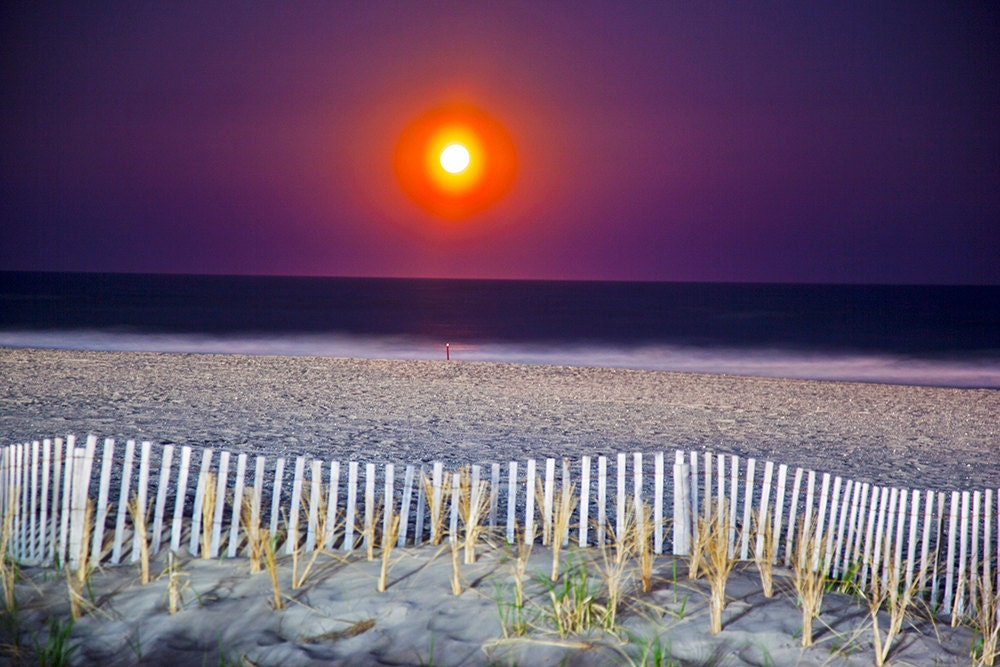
<point x="936" y="335"/>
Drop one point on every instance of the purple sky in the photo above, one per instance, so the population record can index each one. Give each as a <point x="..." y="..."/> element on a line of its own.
<point x="795" y="141"/>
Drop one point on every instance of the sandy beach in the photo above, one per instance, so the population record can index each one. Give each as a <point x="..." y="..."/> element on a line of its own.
<point x="458" y="412"/>
<point x="226" y="616"/>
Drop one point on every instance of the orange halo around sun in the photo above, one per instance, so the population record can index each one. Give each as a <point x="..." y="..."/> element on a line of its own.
<point x="451" y="190"/>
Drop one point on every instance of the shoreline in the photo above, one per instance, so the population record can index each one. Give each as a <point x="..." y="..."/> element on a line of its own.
<point x="414" y="411"/>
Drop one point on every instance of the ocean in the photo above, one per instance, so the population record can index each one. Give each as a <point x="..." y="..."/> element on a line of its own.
<point x="946" y="336"/>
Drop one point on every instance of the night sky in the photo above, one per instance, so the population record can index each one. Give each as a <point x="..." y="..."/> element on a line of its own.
<point x="792" y="141"/>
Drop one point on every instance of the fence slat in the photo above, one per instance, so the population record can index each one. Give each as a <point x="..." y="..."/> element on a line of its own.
<point x="388" y="501"/>
<point x="34" y="543"/>
<point x="602" y="499"/>
<point x="824" y="498"/>
<point x="790" y="536"/>
<point x="237" y="507"/>
<point x="142" y="495"/>
<point x="418" y="529"/>
<point x="46" y="547"/>
<point x="352" y="499"/>
<point x="333" y="494"/>
<point x="963" y="554"/>
<point x="658" y="482"/>
<point x="833" y="532"/>
<point x="494" y="494"/>
<point x="529" y="504"/>
<point x="620" y="498"/>
<point x="162" y="486"/>
<point x="258" y="493"/>
<point x="180" y="498"/>
<point x="123" y="495"/>
<point x="911" y="542"/>
<point x="292" y="542"/>
<point x="103" y="491"/>
<point x="279" y="473"/>
<point x="313" y="511"/>
<point x="550" y="473"/>
<point x="511" y="501"/>
<point x="584" y="500"/>
<point x="404" y="510"/>
<point x="221" y="484"/>
<point x="897" y="558"/>
<point x="734" y="496"/>
<point x="845" y="504"/>
<point x="456" y="491"/>
<point x="199" y="502"/>
<point x="67" y="485"/>
<point x="682" y="507"/>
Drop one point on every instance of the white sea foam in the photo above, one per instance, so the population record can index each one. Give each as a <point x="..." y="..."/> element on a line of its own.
<point x="984" y="372"/>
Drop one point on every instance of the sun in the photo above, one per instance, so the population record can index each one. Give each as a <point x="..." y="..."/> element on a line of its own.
<point x="454" y="158"/>
<point x="455" y="161"/>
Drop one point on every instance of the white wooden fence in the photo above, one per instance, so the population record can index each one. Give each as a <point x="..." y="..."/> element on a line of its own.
<point x="948" y="542"/>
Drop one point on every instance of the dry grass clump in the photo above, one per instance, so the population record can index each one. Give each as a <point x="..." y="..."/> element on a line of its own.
<point x="889" y="592"/>
<point x="473" y="503"/>
<point x="436" y="501"/>
<point x="644" y="546"/>
<point x="563" y="511"/>
<point x="456" y="570"/>
<point x="8" y="567"/>
<point x="763" y="554"/>
<point x="699" y="539"/>
<point x="207" y="516"/>
<point x="986" y="621"/>
<point x="271" y="560"/>
<point x="76" y="581"/>
<point x="317" y="519"/>
<point x="713" y="534"/>
<point x="255" y="536"/>
<point x="809" y="579"/>
<point x="388" y="542"/>
<point x="177" y="581"/>
<point x="139" y="520"/>
<point x="518" y="625"/>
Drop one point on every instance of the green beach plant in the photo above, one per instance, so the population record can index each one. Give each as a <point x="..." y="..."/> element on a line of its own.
<point x="562" y="514"/>
<point x="573" y="602"/>
<point x="57" y="649"/>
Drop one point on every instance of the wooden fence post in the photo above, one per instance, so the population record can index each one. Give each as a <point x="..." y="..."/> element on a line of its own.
<point x="682" y="507"/>
<point x="179" y="500"/>
<point x="142" y="496"/>
<point x="123" y="498"/>
<point x="162" y="486"/>
<point x="237" y="508"/>
<point x="103" y="492"/>
<point x="199" y="501"/>
<point x="584" y="500"/>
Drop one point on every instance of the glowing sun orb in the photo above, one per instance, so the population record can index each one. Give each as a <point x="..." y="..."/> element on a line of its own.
<point x="455" y="161"/>
<point x="454" y="158"/>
